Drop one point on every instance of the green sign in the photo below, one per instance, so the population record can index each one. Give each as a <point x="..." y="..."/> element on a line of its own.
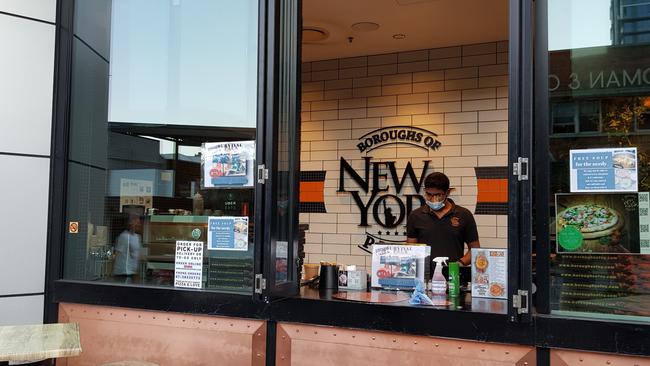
<point x="570" y="238"/>
<point x="196" y="233"/>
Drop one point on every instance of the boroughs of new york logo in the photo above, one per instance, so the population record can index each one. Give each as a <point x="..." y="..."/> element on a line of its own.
<point x="376" y="201"/>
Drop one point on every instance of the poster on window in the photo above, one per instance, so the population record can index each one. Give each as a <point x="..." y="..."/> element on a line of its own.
<point x="603" y="223"/>
<point x="604" y="170"/>
<point x="398" y="266"/>
<point x="228" y="164"/>
<point x="228" y="233"/>
<point x="188" y="266"/>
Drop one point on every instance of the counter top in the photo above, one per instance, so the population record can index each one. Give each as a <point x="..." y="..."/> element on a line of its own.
<point x="40" y="341"/>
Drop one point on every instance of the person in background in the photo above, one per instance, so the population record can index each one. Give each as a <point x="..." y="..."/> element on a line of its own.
<point x="128" y="247"/>
<point x="442" y="224"/>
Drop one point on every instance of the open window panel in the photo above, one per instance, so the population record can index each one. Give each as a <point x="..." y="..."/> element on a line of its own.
<point x="392" y="91"/>
<point x="592" y="109"/>
<point x="279" y="267"/>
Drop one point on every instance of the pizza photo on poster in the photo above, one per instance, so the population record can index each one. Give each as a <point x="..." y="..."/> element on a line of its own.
<point x="597" y="223"/>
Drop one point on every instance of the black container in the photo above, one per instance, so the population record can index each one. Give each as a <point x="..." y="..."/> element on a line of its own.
<point x="329" y="278"/>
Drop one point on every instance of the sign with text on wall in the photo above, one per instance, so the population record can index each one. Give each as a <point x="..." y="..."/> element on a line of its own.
<point x="188" y="266"/>
<point x="227" y="164"/>
<point x="604" y="170"/>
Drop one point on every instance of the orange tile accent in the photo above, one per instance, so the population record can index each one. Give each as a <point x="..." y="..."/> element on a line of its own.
<point x="492" y="190"/>
<point x="312" y="191"/>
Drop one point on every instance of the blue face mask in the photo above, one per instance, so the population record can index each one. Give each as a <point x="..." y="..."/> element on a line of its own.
<point x="436" y="206"/>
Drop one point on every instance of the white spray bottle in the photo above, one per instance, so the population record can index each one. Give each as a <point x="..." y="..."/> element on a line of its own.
<point x="438" y="281"/>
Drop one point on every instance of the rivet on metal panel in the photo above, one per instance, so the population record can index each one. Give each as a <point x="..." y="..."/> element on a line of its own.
<point x="168" y="319"/>
<point x="139" y="316"/>
<point x="353" y="336"/>
<point x="282" y="357"/>
<point x="394" y="340"/>
<point x="315" y="332"/>
<point x="297" y="330"/>
<point x="248" y="326"/>
<point x="259" y="355"/>
<point x="609" y="362"/>
<point x="152" y="316"/>
<point x="415" y="342"/>
<point x="334" y="334"/>
<point x="483" y="350"/>
<point x="525" y="363"/>
<point x="98" y="313"/>
<point x="373" y="338"/>
<point x="111" y="314"/>
<point x="184" y="322"/>
<point x="284" y="337"/>
<point x="84" y="311"/>
<point x="199" y="322"/>
<point x="124" y="314"/>
<point x="215" y="323"/>
<point x="460" y="347"/>
<point x="507" y="353"/>
<point x="231" y="324"/>
<point x="259" y="334"/>
<point x="437" y="345"/>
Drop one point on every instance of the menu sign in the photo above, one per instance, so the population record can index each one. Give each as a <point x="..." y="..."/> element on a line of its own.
<point x="228" y="233"/>
<point x="489" y="273"/>
<point x="604" y="170"/>
<point x="188" y="267"/>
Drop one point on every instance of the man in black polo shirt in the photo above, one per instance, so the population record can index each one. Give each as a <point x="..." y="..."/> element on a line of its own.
<point x="441" y="224"/>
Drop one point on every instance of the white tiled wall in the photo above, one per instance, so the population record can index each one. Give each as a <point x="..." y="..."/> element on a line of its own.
<point x="26" y="71"/>
<point x="460" y="93"/>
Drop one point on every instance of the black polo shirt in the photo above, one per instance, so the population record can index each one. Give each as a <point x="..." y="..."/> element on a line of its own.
<point x="446" y="236"/>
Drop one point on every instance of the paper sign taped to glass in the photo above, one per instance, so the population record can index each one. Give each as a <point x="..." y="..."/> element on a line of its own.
<point x="398" y="266"/>
<point x="603" y="223"/>
<point x="604" y="170"/>
<point x="228" y="164"/>
<point x="228" y="233"/>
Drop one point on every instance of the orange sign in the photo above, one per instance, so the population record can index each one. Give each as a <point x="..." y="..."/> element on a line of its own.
<point x="73" y="227"/>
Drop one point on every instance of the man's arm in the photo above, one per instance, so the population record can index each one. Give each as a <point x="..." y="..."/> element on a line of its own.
<point x="467" y="258"/>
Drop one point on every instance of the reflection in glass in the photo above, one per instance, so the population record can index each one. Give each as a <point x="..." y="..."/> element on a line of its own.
<point x="599" y="88"/>
<point x="153" y="91"/>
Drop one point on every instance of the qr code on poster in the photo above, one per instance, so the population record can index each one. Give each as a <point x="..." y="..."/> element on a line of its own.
<point x="644" y="243"/>
<point x="643" y="211"/>
<point x="643" y="198"/>
<point x="644" y="228"/>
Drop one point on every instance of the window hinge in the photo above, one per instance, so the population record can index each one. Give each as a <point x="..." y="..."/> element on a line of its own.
<point x="520" y="301"/>
<point x="260" y="283"/>
<point x="520" y="168"/>
<point x="262" y="174"/>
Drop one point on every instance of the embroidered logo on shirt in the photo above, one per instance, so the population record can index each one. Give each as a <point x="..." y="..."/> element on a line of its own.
<point x="455" y="221"/>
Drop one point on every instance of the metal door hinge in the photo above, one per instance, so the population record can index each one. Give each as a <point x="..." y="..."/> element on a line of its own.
<point x="262" y="174"/>
<point x="260" y="283"/>
<point x="520" y="168"/>
<point x="520" y="301"/>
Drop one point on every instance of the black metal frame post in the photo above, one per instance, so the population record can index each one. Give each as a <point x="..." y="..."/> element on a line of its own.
<point x="520" y="146"/>
<point x="541" y="160"/>
<point x="59" y="154"/>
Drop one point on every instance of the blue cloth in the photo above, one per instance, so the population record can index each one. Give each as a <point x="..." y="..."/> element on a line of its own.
<point x="419" y="297"/>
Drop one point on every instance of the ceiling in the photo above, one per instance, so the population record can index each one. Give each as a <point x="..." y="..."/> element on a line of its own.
<point x="426" y="24"/>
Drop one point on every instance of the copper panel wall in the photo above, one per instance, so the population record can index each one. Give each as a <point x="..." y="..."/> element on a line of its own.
<point x="299" y="344"/>
<point x="167" y="339"/>
<point x="578" y="358"/>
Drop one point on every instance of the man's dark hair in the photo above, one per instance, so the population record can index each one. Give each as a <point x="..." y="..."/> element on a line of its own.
<point x="437" y="180"/>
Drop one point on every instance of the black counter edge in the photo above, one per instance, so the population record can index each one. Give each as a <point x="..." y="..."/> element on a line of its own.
<point x="580" y="334"/>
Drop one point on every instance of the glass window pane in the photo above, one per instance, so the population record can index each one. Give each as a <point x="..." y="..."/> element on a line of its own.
<point x="600" y="175"/>
<point x="162" y="144"/>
